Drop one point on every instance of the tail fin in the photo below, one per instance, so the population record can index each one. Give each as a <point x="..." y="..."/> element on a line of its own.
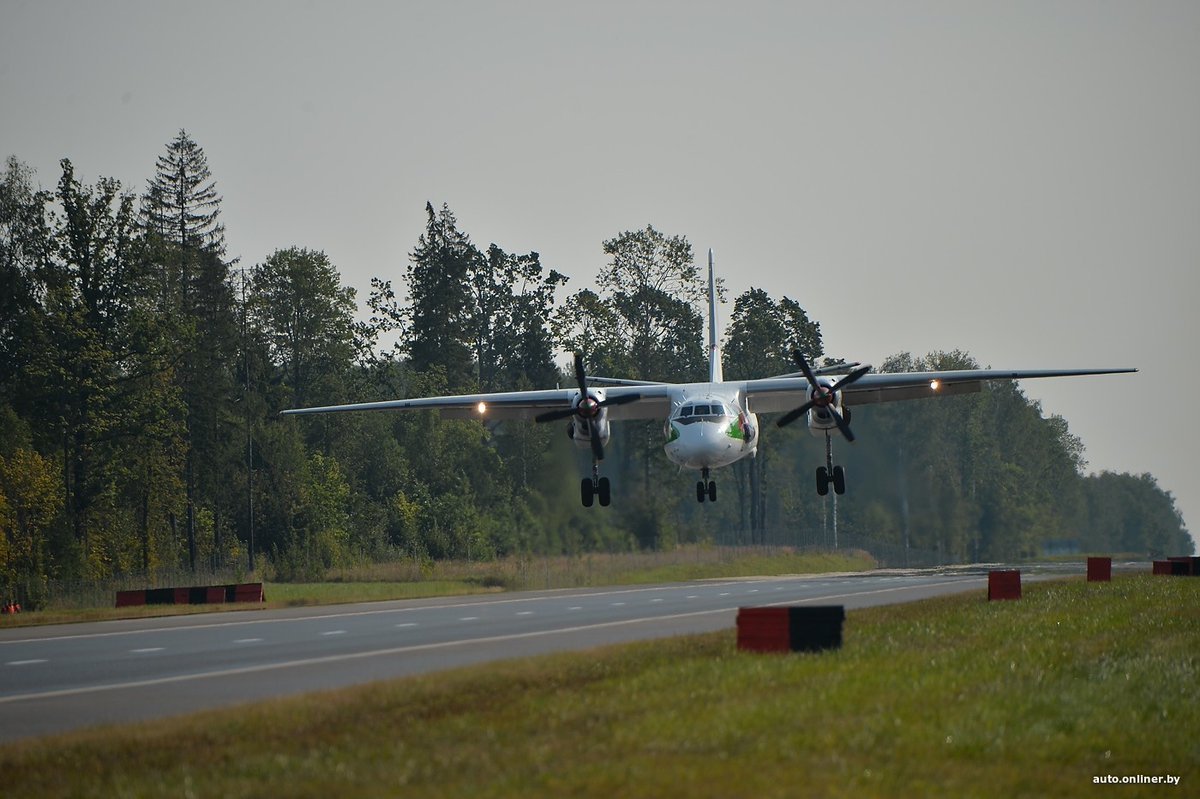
<point x="714" y="349"/>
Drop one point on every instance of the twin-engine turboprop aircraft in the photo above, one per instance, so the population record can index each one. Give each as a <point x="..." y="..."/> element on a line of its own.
<point x="713" y="424"/>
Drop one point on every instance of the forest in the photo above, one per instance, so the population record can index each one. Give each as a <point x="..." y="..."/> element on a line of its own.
<point x="143" y="369"/>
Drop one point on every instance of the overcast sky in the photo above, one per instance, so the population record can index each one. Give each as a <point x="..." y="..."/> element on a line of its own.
<point x="1020" y="180"/>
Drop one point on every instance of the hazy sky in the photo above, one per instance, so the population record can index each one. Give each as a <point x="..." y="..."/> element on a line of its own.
<point x="1020" y="179"/>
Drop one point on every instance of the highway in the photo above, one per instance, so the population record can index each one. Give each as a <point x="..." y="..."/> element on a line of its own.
<point x="63" y="677"/>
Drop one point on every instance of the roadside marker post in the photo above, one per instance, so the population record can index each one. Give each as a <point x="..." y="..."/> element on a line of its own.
<point x="1004" y="584"/>
<point x="809" y="628"/>
<point x="1099" y="570"/>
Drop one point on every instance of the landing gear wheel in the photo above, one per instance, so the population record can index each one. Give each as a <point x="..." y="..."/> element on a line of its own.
<point x="586" y="491"/>
<point x="839" y="480"/>
<point x="822" y="481"/>
<point x="604" y="490"/>
<point x="712" y="491"/>
<point x="701" y="493"/>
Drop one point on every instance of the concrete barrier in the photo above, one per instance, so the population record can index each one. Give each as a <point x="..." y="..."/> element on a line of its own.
<point x="193" y="595"/>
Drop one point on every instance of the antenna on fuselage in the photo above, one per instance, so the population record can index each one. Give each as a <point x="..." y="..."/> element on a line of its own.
<point x="714" y="350"/>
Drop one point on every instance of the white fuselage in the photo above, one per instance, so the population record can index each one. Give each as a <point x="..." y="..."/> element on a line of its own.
<point x="709" y="427"/>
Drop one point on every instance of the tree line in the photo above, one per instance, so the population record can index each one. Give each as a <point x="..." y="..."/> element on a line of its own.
<point x="143" y="370"/>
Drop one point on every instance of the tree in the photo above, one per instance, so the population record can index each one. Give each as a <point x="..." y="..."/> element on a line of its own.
<point x="761" y="338"/>
<point x="305" y="315"/>
<point x="180" y="215"/>
<point x="90" y="353"/>
<point x="763" y="334"/>
<point x="1131" y="513"/>
<point x="181" y="204"/>
<point x="645" y="324"/>
<point x="30" y="504"/>
<point x="511" y="305"/>
<point x="24" y="246"/>
<point x="657" y="292"/>
<point x="439" y="318"/>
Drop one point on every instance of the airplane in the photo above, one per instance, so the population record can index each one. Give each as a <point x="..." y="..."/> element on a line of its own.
<point x="711" y="424"/>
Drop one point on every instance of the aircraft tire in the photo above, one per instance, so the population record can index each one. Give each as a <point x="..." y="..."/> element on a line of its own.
<point x="586" y="492"/>
<point x="700" y="492"/>
<point x="604" y="489"/>
<point x="712" y="491"/>
<point x="822" y="481"/>
<point x="839" y="480"/>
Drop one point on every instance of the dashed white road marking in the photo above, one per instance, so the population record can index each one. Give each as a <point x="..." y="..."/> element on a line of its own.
<point x="469" y="618"/>
<point x="338" y="615"/>
<point x="334" y="632"/>
<point x="25" y="662"/>
<point x="247" y="640"/>
<point x="657" y="599"/>
<point x="525" y="613"/>
<point x="407" y="624"/>
<point x="391" y="651"/>
<point x="575" y="607"/>
<point x="693" y="596"/>
<point x="146" y="650"/>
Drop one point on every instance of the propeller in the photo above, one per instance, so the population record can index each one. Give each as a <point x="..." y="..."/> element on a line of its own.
<point x="588" y="407"/>
<point x="823" y="396"/>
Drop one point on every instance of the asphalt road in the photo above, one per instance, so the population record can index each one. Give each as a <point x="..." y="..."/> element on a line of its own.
<point x="63" y="677"/>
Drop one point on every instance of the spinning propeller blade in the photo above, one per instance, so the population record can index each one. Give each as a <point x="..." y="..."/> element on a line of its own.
<point x="824" y="396"/>
<point x="587" y="408"/>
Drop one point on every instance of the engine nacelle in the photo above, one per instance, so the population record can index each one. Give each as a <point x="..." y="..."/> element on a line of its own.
<point x="590" y="420"/>
<point x="581" y="430"/>
<point x="820" y="420"/>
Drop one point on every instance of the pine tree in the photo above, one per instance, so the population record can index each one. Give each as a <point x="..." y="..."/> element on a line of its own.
<point x="440" y="300"/>
<point x="181" y="203"/>
<point x="179" y="214"/>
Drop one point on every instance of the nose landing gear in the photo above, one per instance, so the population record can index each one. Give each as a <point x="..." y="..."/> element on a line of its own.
<point x="705" y="488"/>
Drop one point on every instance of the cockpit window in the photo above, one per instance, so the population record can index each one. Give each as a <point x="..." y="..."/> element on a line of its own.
<point x="705" y="411"/>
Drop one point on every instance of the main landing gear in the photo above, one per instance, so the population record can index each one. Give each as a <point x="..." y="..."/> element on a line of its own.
<point x="595" y="487"/>
<point x="829" y="473"/>
<point x="705" y="488"/>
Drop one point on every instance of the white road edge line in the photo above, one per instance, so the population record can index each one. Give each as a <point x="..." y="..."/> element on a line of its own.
<point x="399" y="650"/>
<point x="374" y="612"/>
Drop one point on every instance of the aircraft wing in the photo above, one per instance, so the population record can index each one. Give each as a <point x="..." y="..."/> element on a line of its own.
<point x="783" y="394"/>
<point x="652" y="403"/>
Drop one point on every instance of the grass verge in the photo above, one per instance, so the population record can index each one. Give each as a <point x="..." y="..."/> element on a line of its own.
<point x="409" y="580"/>
<point x="954" y="696"/>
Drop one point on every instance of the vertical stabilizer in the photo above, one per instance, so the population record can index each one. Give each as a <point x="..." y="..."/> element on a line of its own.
<point x="714" y="349"/>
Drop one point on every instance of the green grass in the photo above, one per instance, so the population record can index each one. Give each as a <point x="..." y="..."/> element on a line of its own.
<point x="409" y="580"/>
<point x="955" y="696"/>
<point x="294" y="594"/>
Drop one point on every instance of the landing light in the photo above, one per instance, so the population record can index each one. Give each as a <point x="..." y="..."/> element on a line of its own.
<point x="933" y="385"/>
<point x="482" y="408"/>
